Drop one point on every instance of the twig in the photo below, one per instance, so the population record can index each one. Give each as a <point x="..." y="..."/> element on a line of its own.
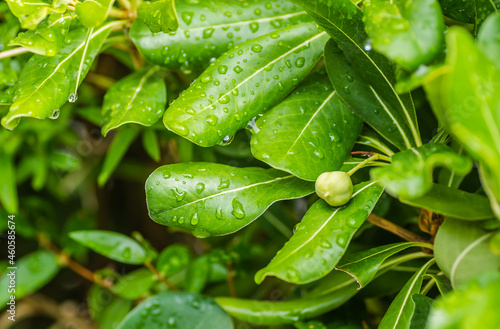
<point x="396" y="229"/>
<point x="160" y="276"/>
<point x="13" y="52"/>
<point x="230" y="281"/>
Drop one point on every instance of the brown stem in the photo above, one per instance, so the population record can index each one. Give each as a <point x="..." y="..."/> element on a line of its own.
<point x="71" y="264"/>
<point x="230" y="281"/>
<point x="160" y="277"/>
<point x="396" y="229"/>
<point x="364" y="153"/>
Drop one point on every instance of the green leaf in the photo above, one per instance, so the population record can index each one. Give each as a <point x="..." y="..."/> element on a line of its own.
<point x="365" y="264"/>
<point x="177" y="309"/>
<point x="159" y="16"/>
<point x="48" y="38"/>
<point x="369" y="137"/>
<point x="122" y="141"/>
<point x="140" y="98"/>
<point x="462" y="251"/>
<point x="8" y="186"/>
<point x="343" y="20"/>
<point x="402" y="308"/>
<point x="462" y="11"/>
<point x="32" y="12"/>
<point x="47" y="82"/>
<point x="92" y="13"/>
<point x="213" y="199"/>
<point x="113" y="245"/>
<point x="33" y="272"/>
<point x="243" y="83"/>
<point x="173" y="259"/>
<point x="409" y="175"/>
<point x="209" y="28"/>
<point x="408" y="32"/>
<point x="197" y="274"/>
<point x="321" y="238"/>
<point x="488" y="38"/>
<point x="112" y="314"/>
<point x="134" y="284"/>
<point x="491" y="186"/>
<point x="483" y="8"/>
<point x="309" y="132"/>
<point x="453" y="203"/>
<point x="310" y="325"/>
<point x="442" y="282"/>
<point x="472" y="305"/>
<point x="151" y="144"/>
<point x="422" y="308"/>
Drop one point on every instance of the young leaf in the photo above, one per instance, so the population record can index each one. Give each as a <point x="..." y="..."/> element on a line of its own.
<point x="453" y="203"/>
<point x="409" y="175"/>
<point x="122" y="141"/>
<point x="8" y="186"/>
<point x="244" y="83"/>
<point x="308" y="133"/>
<point x="402" y="307"/>
<point x="32" y="12"/>
<point x="213" y="27"/>
<point x="197" y="274"/>
<point x="46" y="82"/>
<point x="173" y="259"/>
<point x="179" y="309"/>
<point x="140" y="98"/>
<point x="321" y="238"/>
<point x="134" y="284"/>
<point x="92" y="13"/>
<point x="151" y="144"/>
<point x="343" y="20"/>
<point x="408" y="32"/>
<point x="488" y="38"/>
<point x="112" y="314"/>
<point x="47" y="38"/>
<point x="462" y="251"/>
<point x="365" y="264"/>
<point x="33" y="272"/>
<point x="159" y="16"/>
<point x="369" y="137"/>
<point x="472" y="305"/>
<point x="213" y="199"/>
<point x="113" y="245"/>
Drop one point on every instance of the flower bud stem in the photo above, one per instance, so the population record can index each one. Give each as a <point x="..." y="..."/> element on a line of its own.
<point x="370" y="159"/>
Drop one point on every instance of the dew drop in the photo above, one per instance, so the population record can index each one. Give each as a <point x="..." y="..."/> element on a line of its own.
<point x="194" y="219"/>
<point x="224" y="99"/>
<point x="212" y="120"/>
<point x="73" y="97"/>
<point x="226" y="140"/>
<point x="238" y="69"/>
<point x="187" y="17"/>
<point x="200" y="187"/>
<point x="179" y="129"/>
<point x="223" y="184"/>
<point x="222" y="69"/>
<point x="368" y="45"/>
<point x="218" y="213"/>
<point x="207" y="33"/>
<point x="127" y="253"/>
<point x="238" y="210"/>
<point x="54" y="115"/>
<point x="254" y="27"/>
<point x="256" y="48"/>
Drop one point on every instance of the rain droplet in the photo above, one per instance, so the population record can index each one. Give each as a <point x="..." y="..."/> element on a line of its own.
<point x="212" y="120"/>
<point x="218" y="213"/>
<point x="187" y="16"/>
<point x="349" y="78"/>
<point x="127" y="253"/>
<point x="207" y="33"/>
<point x="238" y="210"/>
<point x="222" y="69"/>
<point x="224" y="99"/>
<point x="368" y="45"/>
<point x="179" y="195"/>
<point x="55" y="114"/>
<point x="73" y="97"/>
<point x="256" y="48"/>
<point x="200" y="187"/>
<point x="179" y="129"/>
<point x="238" y="69"/>
<point x="226" y="140"/>
<point x="254" y="27"/>
<point x="223" y="184"/>
<point x="194" y="219"/>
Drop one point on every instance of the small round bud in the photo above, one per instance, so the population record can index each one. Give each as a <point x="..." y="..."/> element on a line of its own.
<point x="334" y="187"/>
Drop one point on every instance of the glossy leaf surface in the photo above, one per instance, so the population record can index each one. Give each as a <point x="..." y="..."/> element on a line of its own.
<point x="453" y="203"/>
<point x="8" y="187"/>
<point x="410" y="173"/>
<point x="365" y="264"/>
<point x="159" y="16"/>
<point x="180" y="309"/>
<point x="244" y="83"/>
<point x="32" y="12"/>
<point x="92" y="13"/>
<point x="309" y="132"/>
<point x="422" y="307"/>
<point x="488" y="38"/>
<point x="402" y="307"/>
<point x="139" y="98"/>
<point x="462" y="251"/>
<point x="397" y="30"/>
<point x="462" y="11"/>
<point x="134" y="284"/>
<point x="47" y="82"/>
<point x="207" y="29"/>
<point x="343" y="20"/>
<point x="213" y="199"/>
<point x="113" y="245"/>
<point x="321" y="238"/>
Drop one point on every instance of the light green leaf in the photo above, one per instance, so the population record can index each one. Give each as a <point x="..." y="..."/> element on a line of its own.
<point x="159" y="16"/>
<point x="343" y="20"/>
<point x="462" y="251"/>
<point x="369" y="137"/>
<point x="197" y="274"/>
<point x="410" y="32"/>
<point x="472" y="305"/>
<point x="365" y="264"/>
<point x="112" y="314"/>
<point x="173" y="259"/>
<point x="309" y="132"/>
<point x="47" y="82"/>
<point x="139" y="98"/>
<point x="48" y="38"/>
<point x="33" y="272"/>
<point x="134" y="284"/>
<point x="409" y="175"/>
<point x="122" y="141"/>
<point x="321" y="238"/>
<point x="442" y="282"/>
<point x="32" y="12"/>
<point x="453" y="203"/>
<point x="151" y="144"/>
<point x="92" y="13"/>
<point x="243" y="83"/>
<point x="180" y="309"/>
<point x="209" y="28"/>
<point x="402" y="307"/>
<point x="213" y="199"/>
<point x="488" y="38"/>
<point x="8" y="186"/>
<point x="113" y="245"/>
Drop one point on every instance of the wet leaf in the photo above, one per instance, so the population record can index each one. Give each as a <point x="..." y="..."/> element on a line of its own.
<point x="244" y="83"/>
<point x="309" y="132"/>
<point x="159" y="16"/>
<point x="321" y="238"/>
<point x="32" y="12"/>
<point x="213" y="199"/>
<point x="92" y="13"/>
<point x="8" y="186"/>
